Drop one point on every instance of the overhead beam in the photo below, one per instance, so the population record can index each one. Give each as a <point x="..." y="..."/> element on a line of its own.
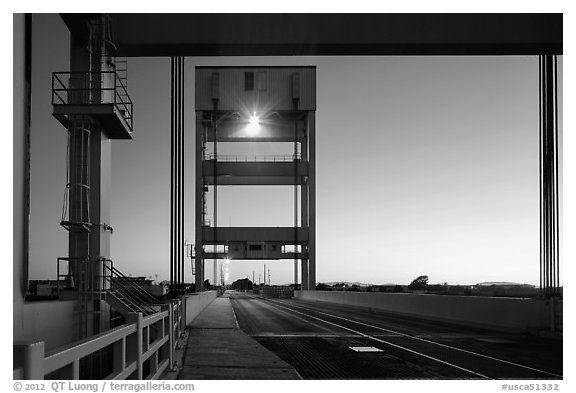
<point x="253" y="234"/>
<point x="332" y="34"/>
<point x="255" y="180"/>
<point x="284" y="255"/>
<point x="258" y="168"/>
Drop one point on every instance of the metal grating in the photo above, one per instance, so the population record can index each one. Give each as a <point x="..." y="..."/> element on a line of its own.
<point x="331" y="358"/>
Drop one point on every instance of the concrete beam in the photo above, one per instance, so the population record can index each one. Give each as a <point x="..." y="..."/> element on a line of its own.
<point x="253" y="234"/>
<point x="325" y="35"/>
<point x="255" y="180"/>
<point x="255" y="169"/>
<point x="284" y="255"/>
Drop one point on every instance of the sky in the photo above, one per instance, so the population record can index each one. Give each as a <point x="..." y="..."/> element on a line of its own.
<point x="425" y="165"/>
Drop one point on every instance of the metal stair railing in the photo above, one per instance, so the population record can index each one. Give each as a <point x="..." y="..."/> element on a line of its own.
<point x="130" y="302"/>
<point x="143" y="293"/>
<point x="129" y="293"/>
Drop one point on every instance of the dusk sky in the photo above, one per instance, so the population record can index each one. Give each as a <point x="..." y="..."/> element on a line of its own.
<point x="425" y="165"/>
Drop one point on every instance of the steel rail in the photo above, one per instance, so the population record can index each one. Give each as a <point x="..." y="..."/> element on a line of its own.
<point x="421" y="339"/>
<point x="382" y="341"/>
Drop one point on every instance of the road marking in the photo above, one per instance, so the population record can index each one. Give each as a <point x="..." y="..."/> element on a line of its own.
<point x="388" y="343"/>
<point x="366" y="349"/>
<point x="430" y="341"/>
<point x="304" y="335"/>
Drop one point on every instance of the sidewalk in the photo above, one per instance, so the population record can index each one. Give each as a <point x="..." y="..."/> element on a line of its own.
<point x="218" y="349"/>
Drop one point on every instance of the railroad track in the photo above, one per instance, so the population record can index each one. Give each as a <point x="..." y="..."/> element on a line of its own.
<point x="426" y="357"/>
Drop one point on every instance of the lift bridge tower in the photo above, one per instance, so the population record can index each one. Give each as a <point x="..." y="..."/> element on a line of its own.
<point x="256" y="105"/>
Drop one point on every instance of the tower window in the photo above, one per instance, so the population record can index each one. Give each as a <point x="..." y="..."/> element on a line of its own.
<point x="248" y="81"/>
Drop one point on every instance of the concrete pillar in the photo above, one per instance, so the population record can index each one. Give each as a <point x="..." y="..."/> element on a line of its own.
<point x="312" y="199"/>
<point x="199" y="193"/>
<point x="22" y="61"/>
<point x="305" y="278"/>
<point x="304" y="197"/>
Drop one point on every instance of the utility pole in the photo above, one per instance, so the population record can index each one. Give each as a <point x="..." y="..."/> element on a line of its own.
<point x="269" y="277"/>
<point x="264" y="274"/>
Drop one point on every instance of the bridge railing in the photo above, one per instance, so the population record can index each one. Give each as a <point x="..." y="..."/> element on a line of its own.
<point x="132" y="344"/>
<point x="276" y="291"/>
<point x="254" y="158"/>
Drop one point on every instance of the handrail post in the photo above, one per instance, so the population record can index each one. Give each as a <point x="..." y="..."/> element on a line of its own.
<point x="165" y="330"/>
<point x="136" y="348"/>
<point x="33" y="357"/>
<point x="171" y="335"/>
<point x="183" y="306"/>
<point x="119" y="355"/>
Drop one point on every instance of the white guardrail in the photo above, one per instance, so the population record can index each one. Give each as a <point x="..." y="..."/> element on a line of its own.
<point x="152" y="338"/>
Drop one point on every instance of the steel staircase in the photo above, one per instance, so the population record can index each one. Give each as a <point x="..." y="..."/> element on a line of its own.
<point x="126" y="296"/>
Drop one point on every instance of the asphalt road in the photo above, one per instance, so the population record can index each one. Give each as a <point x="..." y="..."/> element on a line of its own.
<point x="328" y="341"/>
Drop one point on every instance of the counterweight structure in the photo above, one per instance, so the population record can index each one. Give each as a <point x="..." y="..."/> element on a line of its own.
<point x="256" y="105"/>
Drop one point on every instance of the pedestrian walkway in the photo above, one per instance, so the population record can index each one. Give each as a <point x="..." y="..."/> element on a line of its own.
<point x="218" y="349"/>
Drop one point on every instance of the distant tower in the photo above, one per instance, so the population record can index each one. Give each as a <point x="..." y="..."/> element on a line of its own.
<point x="256" y="104"/>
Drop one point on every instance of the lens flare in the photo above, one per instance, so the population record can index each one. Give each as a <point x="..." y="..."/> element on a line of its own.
<point x="253" y="125"/>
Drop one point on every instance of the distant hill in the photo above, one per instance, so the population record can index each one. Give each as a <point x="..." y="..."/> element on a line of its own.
<point x="348" y="283"/>
<point x="502" y="284"/>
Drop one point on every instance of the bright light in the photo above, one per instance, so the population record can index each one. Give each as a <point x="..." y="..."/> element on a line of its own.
<point x="253" y="125"/>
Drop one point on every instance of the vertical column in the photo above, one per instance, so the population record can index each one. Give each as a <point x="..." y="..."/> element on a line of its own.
<point x="22" y="52"/>
<point x="312" y="198"/>
<point x="100" y="174"/>
<point x="181" y="173"/>
<point x="549" y="224"/>
<point x="304" y="190"/>
<point x="305" y="278"/>
<point x="177" y="174"/>
<point x="199" y="193"/>
<point x="215" y="188"/>
<point x="297" y="179"/>
<point x="90" y="170"/>
<point x="79" y="139"/>
<point x="172" y="180"/>
<point x="100" y="153"/>
<point x="99" y="244"/>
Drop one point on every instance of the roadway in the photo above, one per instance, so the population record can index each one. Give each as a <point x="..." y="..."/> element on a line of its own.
<point x="329" y="341"/>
